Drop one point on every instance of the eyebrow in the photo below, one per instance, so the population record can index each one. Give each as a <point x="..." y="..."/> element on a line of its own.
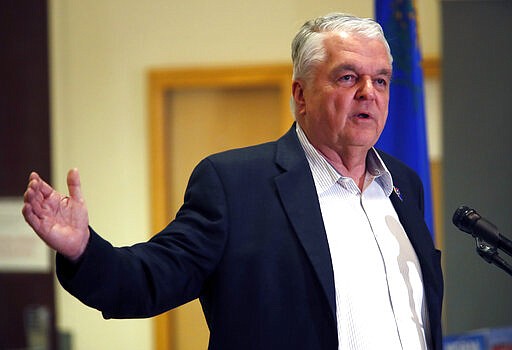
<point x="350" y="67"/>
<point x="386" y="72"/>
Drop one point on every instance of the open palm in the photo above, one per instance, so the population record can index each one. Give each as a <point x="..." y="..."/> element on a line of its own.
<point x="61" y="221"/>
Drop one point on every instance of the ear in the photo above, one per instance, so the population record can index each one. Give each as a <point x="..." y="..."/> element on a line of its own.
<point x="298" y="97"/>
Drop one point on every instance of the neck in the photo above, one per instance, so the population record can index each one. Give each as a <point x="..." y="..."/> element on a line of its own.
<point x="350" y="163"/>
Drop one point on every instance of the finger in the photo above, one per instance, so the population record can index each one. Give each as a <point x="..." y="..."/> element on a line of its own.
<point x="30" y="200"/>
<point x="31" y="218"/>
<point x="34" y="204"/>
<point x="33" y="180"/>
<point x="33" y="176"/>
<point x="38" y="195"/>
<point x="34" y="190"/>
<point x="74" y="186"/>
<point x="38" y="185"/>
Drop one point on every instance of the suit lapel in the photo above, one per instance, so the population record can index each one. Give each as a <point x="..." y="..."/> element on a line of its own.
<point x="419" y="236"/>
<point x="297" y="192"/>
<point x="413" y="224"/>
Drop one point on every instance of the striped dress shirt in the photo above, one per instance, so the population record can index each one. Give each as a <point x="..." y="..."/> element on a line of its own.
<point x="379" y="291"/>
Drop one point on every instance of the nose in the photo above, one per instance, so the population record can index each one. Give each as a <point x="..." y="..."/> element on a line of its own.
<point x="365" y="90"/>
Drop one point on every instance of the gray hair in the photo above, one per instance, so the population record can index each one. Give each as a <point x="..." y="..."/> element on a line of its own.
<point x="308" y="48"/>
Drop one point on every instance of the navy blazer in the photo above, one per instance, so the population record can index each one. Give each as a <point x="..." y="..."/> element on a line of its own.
<point x="250" y="243"/>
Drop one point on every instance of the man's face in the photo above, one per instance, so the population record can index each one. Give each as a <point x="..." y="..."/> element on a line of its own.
<point x="345" y="103"/>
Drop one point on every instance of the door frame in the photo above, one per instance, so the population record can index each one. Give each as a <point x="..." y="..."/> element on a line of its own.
<point x="160" y="83"/>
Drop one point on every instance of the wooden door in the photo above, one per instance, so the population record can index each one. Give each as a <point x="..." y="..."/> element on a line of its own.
<point x="193" y="113"/>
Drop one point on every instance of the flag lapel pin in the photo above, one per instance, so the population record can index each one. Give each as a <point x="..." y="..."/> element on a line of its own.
<point x="397" y="192"/>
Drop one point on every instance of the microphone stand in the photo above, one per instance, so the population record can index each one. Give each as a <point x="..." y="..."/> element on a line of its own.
<point x="490" y="254"/>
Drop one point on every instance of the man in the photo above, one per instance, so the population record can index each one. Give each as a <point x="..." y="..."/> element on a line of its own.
<point x="302" y="243"/>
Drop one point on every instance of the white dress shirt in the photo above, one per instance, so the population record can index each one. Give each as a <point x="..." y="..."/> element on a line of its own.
<point x="379" y="291"/>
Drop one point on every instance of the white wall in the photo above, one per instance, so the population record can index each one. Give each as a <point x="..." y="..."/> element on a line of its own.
<point x="100" y="52"/>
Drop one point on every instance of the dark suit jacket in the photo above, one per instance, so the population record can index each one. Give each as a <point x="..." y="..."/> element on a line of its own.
<point x="249" y="241"/>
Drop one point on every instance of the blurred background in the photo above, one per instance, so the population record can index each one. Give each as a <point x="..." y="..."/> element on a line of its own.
<point x="76" y="91"/>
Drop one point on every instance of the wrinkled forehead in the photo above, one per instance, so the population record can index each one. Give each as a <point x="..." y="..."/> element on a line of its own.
<point x="369" y="44"/>
<point x="355" y="50"/>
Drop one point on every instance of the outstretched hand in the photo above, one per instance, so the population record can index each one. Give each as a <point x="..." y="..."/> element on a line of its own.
<point x="61" y="221"/>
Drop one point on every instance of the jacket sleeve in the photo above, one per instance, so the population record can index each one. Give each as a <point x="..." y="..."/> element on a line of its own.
<point x="169" y="270"/>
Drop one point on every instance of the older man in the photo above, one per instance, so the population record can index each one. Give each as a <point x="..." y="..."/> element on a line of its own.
<point x="301" y="243"/>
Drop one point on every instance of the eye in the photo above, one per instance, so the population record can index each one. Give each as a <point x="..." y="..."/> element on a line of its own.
<point x="381" y="81"/>
<point x="347" y="79"/>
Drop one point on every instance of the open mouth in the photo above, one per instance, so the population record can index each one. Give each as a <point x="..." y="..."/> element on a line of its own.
<point x="363" y="115"/>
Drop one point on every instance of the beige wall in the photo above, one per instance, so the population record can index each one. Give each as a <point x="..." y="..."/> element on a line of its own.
<point x="100" y="52"/>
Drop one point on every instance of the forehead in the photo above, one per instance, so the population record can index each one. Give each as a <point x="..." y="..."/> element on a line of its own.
<point x="356" y="50"/>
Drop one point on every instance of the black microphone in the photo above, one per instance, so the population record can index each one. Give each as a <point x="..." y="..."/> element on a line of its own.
<point x="468" y="220"/>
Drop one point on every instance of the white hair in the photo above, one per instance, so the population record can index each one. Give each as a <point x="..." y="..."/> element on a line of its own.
<point x="308" y="47"/>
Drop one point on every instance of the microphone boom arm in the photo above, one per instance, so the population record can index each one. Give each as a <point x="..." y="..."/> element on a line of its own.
<point x="490" y="254"/>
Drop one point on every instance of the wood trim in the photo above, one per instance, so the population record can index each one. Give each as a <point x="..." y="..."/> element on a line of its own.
<point x="436" y="176"/>
<point x="431" y="67"/>
<point x="161" y="81"/>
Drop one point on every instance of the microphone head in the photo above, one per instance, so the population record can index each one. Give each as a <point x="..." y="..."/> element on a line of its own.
<point x="465" y="218"/>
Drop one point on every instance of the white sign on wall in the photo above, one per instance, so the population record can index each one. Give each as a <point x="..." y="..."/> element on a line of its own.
<point x="21" y="250"/>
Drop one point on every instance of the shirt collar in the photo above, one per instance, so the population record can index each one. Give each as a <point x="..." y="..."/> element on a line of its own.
<point x="326" y="176"/>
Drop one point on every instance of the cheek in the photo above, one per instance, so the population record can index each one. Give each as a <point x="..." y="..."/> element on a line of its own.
<point x="384" y="115"/>
<point x="384" y="101"/>
<point x="383" y="106"/>
<point x="338" y="104"/>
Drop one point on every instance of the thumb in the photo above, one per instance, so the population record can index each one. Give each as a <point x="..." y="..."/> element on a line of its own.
<point x="74" y="186"/>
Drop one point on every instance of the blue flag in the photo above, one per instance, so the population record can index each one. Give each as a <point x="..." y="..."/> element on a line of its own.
<point x="405" y="134"/>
